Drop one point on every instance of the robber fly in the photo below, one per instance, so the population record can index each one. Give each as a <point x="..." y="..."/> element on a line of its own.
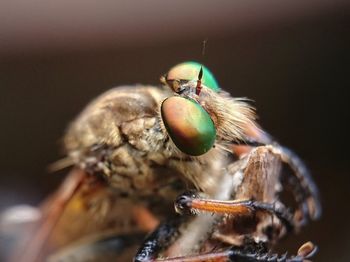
<point x="137" y="149"/>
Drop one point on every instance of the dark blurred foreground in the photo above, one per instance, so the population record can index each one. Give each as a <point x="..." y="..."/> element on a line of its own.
<point x="295" y="68"/>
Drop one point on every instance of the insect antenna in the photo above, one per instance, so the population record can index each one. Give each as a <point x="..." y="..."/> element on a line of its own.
<point x="200" y="74"/>
<point x="199" y="81"/>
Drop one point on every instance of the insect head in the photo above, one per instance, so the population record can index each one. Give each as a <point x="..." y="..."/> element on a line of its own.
<point x="188" y="124"/>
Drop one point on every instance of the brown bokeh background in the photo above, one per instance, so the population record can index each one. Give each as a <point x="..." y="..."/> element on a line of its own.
<point x="291" y="58"/>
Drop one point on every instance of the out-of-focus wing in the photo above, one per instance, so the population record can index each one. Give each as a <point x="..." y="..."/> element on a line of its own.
<point x="82" y="210"/>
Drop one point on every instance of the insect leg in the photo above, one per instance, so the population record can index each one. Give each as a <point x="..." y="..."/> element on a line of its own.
<point x="303" y="186"/>
<point x="248" y="253"/>
<point x="162" y="237"/>
<point x="191" y="203"/>
<point x="301" y="182"/>
<point x="251" y="253"/>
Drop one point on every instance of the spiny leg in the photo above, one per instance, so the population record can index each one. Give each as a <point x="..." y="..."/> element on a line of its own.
<point x="303" y="186"/>
<point x="306" y="251"/>
<point x="300" y="180"/>
<point x="155" y="243"/>
<point x="249" y="253"/>
<point x="190" y="202"/>
<point x="162" y="237"/>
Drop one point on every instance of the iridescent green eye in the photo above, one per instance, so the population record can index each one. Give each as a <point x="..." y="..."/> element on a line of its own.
<point x="189" y="125"/>
<point x="188" y="71"/>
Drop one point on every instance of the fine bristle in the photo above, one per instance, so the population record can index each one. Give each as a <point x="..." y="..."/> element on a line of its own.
<point x="232" y="116"/>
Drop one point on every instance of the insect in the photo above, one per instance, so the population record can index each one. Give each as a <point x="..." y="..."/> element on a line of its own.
<point x="136" y="149"/>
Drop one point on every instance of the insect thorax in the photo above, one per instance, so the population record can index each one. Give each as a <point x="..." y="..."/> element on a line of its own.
<point x="121" y="136"/>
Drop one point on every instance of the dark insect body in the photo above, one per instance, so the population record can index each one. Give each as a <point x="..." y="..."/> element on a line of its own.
<point x="136" y="149"/>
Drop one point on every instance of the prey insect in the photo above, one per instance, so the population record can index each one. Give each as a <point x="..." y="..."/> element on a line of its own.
<point x="136" y="149"/>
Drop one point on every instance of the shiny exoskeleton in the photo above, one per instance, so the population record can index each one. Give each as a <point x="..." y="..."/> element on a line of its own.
<point x="138" y="148"/>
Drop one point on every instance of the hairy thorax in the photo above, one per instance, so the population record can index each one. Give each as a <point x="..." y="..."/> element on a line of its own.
<point x="121" y="136"/>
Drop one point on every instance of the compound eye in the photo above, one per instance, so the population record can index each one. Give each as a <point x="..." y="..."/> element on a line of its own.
<point x="189" y="71"/>
<point x="188" y="125"/>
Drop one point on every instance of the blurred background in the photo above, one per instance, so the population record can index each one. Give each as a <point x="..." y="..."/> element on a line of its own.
<point x="290" y="57"/>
